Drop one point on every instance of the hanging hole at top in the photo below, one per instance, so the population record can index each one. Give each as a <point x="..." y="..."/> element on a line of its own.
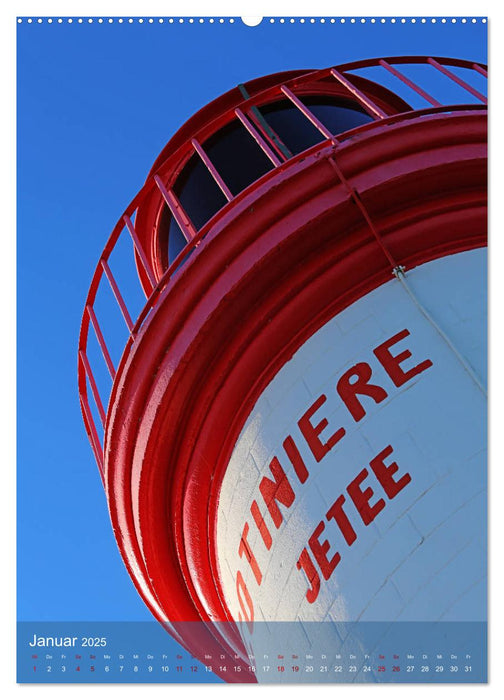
<point x="252" y="21"/>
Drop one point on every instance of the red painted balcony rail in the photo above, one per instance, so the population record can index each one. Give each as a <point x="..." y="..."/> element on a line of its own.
<point x="425" y="85"/>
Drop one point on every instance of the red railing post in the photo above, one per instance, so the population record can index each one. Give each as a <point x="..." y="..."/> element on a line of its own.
<point x="409" y="83"/>
<point x="117" y="294"/>
<point x="140" y="251"/>
<point x="94" y="387"/>
<point x="177" y="210"/>
<point x="257" y="137"/>
<point x="93" y="435"/>
<point x="308" y="114"/>
<point x="457" y="80"/>
<point x="480" y="70"/>
<point x="366" y="102"/>
<point x="212" y="170"/>
<point x="101" y="340"/>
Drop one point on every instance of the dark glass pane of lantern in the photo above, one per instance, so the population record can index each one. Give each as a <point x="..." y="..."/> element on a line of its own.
<point x="298" y="133"/>
<point x="237" y="157"/>
<point x="200" y="197"/>
<point x="338" y="116"/>
<point x="176" y="240"/>
<point x="238" y="160"/>
<point x="170" y="235"/>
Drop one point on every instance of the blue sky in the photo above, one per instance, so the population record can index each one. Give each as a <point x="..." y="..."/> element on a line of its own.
<point x="96" y="104"/>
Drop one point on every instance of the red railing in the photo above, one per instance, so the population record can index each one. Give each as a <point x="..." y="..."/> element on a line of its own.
<point x="152" y="284"/>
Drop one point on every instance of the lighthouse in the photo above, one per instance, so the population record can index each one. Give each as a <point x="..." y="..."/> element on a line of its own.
<point x="294" y="432"/>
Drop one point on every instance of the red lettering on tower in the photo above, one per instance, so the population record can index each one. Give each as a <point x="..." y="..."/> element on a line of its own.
<point x="391" y="363"/>
<point x="305" y="563"/>
<point x="352" y="385"/>
<point x="320" y="550"/>
<point x="361" y="498"/>
<point x="261" y="525"/>
<point x="279" y="490"/>
<point x="297" y="461"/>
<point x="337" y="513"/>
<point x="248" y="610"/>
<point x="384" y="473"/>
<point x="244" y="548"/>
<point x="349" y="390"/>
<point x="311" y="432"/>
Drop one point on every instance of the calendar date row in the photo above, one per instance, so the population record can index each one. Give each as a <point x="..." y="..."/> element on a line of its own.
<point x="308" y="668"/>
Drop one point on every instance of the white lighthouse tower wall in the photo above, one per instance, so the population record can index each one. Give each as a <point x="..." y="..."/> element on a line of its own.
<point x="420" y="436"/>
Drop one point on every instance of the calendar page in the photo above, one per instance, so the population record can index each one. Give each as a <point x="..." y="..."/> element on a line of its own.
<point x="252" y="349"/>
